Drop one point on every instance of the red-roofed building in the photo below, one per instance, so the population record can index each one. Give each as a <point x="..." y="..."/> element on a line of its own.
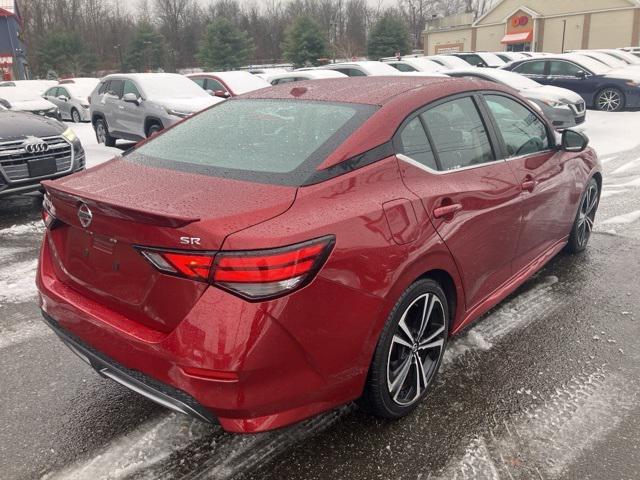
<point x="13" y="61"/>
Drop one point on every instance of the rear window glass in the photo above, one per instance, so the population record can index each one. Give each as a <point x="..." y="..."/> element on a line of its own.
<point x="267" y="141"/>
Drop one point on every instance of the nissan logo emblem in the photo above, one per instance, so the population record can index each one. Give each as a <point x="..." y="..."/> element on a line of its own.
<point x="35" y="145"/>
<point x="84" y="215"/>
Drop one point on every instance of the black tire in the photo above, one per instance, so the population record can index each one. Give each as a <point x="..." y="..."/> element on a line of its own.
<point x="583" y="223"/>
<point x="153" y="129"/>
<point x="102" y="133"/>
<point x="610" y="100"/>
<point x="387" y="394"/>
<point x="75" y="116"/>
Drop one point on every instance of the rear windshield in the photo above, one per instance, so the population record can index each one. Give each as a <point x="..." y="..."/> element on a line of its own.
<point x="266" y="141"/>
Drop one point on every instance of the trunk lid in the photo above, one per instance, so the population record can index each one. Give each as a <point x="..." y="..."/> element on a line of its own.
<point x="132" y="205"/>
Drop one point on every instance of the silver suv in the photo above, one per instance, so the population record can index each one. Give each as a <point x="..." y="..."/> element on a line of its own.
<point x="135" y="106"/>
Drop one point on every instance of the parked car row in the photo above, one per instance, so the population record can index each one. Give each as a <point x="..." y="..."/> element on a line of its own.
<point x="134" y="107"/>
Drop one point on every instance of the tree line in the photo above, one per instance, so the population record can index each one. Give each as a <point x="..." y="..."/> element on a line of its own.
<point x="89" y="37"/>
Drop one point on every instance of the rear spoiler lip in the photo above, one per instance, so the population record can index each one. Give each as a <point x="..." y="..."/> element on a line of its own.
<point x="115" y="210"/>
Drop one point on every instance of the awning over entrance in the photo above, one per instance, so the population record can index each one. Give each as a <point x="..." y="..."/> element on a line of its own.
<point x="510" y="39"/>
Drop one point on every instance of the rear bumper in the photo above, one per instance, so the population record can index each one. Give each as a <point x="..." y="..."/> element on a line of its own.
<point x="158" y="392"/>
<point x="280" y="368"/>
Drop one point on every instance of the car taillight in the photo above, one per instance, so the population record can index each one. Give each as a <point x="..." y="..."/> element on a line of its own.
<point x="253" y="274"/>
<point x="49" y="213"/>
<point x="196" y="266"/>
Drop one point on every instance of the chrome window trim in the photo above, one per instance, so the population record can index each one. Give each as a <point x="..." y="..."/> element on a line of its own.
<point x="415" y="163"/>
<point x="30" y="179"/>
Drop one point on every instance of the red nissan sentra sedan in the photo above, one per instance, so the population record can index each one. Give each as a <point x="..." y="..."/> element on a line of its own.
<point x="294" y="249"/>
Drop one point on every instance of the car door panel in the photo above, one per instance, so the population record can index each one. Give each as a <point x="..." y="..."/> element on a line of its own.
<point x="64" y="106"/>
<point x="475" y="209"/>
<point x="52" y="96"/>
<point x="563" y="74"/>
<point x="132" y="115"/>
<point x="527" y="145"/>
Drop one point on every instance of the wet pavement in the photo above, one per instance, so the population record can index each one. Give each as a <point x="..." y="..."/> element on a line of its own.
<point x="546" y="386"/>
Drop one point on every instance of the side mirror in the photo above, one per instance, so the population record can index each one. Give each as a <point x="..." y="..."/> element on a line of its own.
<point x="574" y="141"/>
<point x="221" y="94"/>
<point x="581" y="74"/>
<point x="62" y="98"/>
<point x="131" y="98"/>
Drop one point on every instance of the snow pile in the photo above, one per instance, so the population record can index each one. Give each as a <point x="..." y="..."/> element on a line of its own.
<point x="17" y="282"/>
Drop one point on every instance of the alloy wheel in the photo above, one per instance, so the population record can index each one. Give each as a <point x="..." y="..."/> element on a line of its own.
<point x="609" y="100"/>
<point x="415" y="350"/>
<point x="75" y="116"/>
<point x="587" y="214"/>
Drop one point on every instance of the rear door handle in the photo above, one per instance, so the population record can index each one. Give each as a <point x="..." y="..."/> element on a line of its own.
<point x="529" y="185"/>
<point x="447" y="210"/>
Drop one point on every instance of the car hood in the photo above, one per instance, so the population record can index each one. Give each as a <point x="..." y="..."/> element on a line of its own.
<point x="191" y="105"/>
<point x="548" y="92"/>
<point x="632" y="74"/>
<point x="32" y="105"/>
<point x="14" y="125"/>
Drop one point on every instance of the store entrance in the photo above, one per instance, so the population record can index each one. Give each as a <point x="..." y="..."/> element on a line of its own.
<point x="519" y="47"/>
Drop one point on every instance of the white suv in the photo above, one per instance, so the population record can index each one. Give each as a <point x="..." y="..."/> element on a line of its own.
<point x="135" y="106"/>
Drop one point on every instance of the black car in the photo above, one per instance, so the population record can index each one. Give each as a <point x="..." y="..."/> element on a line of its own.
<point x="34" y="148"/>
<point x="602" y="87"/>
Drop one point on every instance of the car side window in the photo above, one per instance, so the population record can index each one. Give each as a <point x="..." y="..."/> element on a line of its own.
<point x="415" y="144"/>
<point x="523" y="132"/>
<point x="354" y="72"/>
<point x="51" y="92"/>
<point x="280" y="81"/>
<point x="115" y="88"/>
<point x="403" y="67"/>
<point x="531" y="68"/>
<point x="564" y="69"/>
<point x="130" y="87"/>
<point x="63" y="91"/>
<point x="458" y="133"/>
<point x="215" y="85"/>
<point x="104" y="88"/>
<point x="199" y="81"/>
<point x="473" y="59"/>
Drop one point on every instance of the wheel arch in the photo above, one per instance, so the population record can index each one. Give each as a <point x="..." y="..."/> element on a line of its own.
<point x="446" y="281"/>
<point x="97" y="116"/>
<point x="148" y="121"/>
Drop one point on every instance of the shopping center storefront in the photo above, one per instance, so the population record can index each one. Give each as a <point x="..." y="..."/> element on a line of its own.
<point x="13" y="62"/>
<point x="539" y="25"/>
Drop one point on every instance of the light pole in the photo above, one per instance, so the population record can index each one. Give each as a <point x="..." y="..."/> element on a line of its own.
<point x="564" y="31"/>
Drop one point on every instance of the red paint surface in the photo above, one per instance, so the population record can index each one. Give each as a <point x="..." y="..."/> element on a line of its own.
<point x="280" y="361"/>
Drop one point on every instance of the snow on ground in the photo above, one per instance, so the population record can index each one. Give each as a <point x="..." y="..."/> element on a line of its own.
<point x="612" y="132"/>
<point x="550" y="436"/>
<point x="96" y="153"/>
<point x="17" y="281"/>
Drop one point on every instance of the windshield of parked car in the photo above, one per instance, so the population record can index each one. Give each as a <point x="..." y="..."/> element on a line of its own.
<point x="18" y="94"/>
<point x="267" y="141"/>
<point x="243" y="82"/>
<point x="161" y="86"/>
<point x="608" y="60"/>
<point x="511" y="79"/>
<point x="80" y="90"/>
<point x="594" y="66"/>
<point x="379" y="68"/>
<point x="426" y="65"/>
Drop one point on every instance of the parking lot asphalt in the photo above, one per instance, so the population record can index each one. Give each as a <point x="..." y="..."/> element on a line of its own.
<point x="546" y="386"/>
